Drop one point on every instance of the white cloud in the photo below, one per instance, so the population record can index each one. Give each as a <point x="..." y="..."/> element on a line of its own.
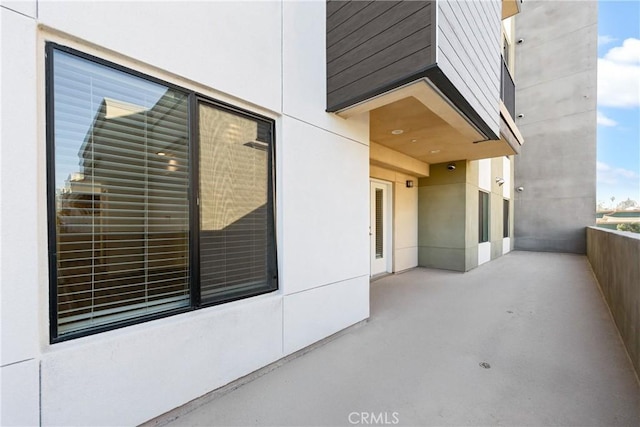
<point x="617" y="182"/>
<point x="606" y="121"/>
<point x="628" y="53"/>
<point x="610" y="175"/>
<point x="605" y="40"/>
<point x="619" y="76"/>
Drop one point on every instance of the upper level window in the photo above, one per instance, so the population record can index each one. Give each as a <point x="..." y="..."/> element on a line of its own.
<point x="139" y="229"/>
<point x="506" y="48"/>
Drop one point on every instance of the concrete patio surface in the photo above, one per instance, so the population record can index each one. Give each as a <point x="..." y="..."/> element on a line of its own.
<point x="537" y="319"/>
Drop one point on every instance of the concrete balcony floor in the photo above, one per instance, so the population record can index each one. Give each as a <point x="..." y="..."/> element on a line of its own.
<point x="537" y="319"/>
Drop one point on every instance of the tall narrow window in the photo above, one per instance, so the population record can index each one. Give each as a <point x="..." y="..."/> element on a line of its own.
<point x="483" y="217"/>
<point x="379" y="223"/>
<point x="236" y="208"/>
<point x="505" y="218"/>
<point x="119" y="168"/>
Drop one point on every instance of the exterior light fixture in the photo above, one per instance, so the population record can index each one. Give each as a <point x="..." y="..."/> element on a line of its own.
<point x="499" y="180"/>
<point x="409" y="183"/>
<point x="397" y="131"/>
<point x="161" y="153"/>
<point x="520" y="189"/>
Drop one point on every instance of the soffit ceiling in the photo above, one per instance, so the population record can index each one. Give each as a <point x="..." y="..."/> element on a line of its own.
<point x="427" y="136"/>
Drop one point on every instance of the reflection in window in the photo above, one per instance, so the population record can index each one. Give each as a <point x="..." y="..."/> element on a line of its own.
<point x="121" y="195"/>
<point x="235" y="216"/>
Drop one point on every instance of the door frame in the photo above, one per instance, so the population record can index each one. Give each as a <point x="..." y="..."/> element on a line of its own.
<point x="387" y="188"/>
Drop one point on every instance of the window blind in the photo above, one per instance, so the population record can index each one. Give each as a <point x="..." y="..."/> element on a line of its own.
<point x="234" y="183"/>
<point x="121" y="195"/>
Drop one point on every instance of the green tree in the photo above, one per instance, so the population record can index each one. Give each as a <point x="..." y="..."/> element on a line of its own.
<point x="633" y="227"/>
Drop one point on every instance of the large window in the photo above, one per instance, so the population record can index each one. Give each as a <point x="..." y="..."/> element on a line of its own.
<point x="160" y="200"/>
<point x="483" y="217"/>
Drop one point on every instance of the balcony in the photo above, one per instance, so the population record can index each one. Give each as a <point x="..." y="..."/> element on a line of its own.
<point x="426" y="78"/>
<point x="524" y="340"/>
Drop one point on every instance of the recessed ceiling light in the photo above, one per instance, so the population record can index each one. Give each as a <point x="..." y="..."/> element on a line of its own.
<point x="414" y="140"/>
<point x="434" y="151"/>
<point x="161" y="153"/>
<point x="397" y="131"/>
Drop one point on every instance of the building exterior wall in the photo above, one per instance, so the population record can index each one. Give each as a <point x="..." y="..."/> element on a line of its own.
<point x="254" y="59"/>
<point x="269" y="58"/>
<point x="467" y="55"/>
<point x="556" y="167"/>
<point x="448" y="222"/>
<point x="401" y="45"/>
<point x="442" y="216"/>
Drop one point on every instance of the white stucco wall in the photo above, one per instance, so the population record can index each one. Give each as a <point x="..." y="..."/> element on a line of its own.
<point x="267" y="57"/>
<point x="484" y="252"/>
<point x="506" y="193"/>
<point x="20" y="274"/>
<point x="484" y="174"/>
<point x="506" y="175"/>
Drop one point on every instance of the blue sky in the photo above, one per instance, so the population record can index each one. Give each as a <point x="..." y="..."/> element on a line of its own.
<point x="618" y="101"/>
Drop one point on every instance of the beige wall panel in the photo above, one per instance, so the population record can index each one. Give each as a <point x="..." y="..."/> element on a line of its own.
<point x="382" y="173"/>
<point x="405" y="259"/>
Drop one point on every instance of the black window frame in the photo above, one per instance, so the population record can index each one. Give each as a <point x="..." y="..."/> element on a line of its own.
<point x="193" y="99"/>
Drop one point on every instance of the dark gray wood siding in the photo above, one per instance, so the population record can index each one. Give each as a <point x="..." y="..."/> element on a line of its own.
<point x="374" y="46"/>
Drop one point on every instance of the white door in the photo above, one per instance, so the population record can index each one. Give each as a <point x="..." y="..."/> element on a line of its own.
<point x="380" y="227"/>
